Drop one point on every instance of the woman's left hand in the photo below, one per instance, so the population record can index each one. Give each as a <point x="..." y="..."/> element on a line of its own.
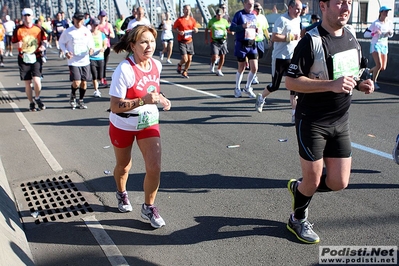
<point x="165" y="102"/>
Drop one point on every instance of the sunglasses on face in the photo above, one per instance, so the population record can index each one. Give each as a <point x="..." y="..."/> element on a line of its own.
<point x="27" y="15"/>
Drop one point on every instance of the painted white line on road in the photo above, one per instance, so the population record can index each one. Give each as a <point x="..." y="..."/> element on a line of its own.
<point x="35" y="137"/>
<point x="373" y="151"/>
<point x="113" y="254"/>
<point x="191" y="89"/>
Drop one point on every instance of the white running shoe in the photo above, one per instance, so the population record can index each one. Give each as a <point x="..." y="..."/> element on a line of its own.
<point x="237" y="92"/>
<point x="219" y="73"/>
<point x="97" y="94"/>
<point x="169" y="62"/>
<point x="260" y="101"/>
<point x="123" y="202"/>
<point x="151" y="213"/>
<point x="255" y="80"/>
<point x="250" y="92"/>
<point x="10" y="53"/>
<point x="1" y="64"/>
<point x="212" y="68"/>
<point x="161" y="55"/>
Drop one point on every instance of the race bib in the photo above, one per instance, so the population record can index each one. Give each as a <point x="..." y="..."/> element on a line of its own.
<point x="188" y="34"/>
<point x="219" y="34"/>
<point x="29" y="58"/>
<point x="250" y="34"/>
<point x="346" y="64"/>
<point x="147" y="118"/>
<point x="80" y="50"/>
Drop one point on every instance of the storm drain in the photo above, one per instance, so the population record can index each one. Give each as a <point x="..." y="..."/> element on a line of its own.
<point x="53" y="199"/>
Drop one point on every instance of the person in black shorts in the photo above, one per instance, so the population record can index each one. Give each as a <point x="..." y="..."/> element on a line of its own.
<point x="324" y="81"/>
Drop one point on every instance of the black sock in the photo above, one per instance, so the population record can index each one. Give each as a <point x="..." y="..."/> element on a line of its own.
<point x="301" y="203"/>
<point x="73" y="91"/>
<point x="81" y="93"/>
<point x="323" y="186"/>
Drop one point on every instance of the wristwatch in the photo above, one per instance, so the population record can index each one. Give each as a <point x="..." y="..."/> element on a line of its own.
<point x="141" y="102"/>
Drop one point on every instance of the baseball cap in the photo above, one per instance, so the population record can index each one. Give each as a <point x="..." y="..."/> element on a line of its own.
<point x="385" y="8"/>
<point x="304" y="5"/>
<point x="95" y="21"/>
<point x="102" y="13"/>
<point x="27" y="11"/>
<point x="79" y="15"/>
<point x="219" y="12"/>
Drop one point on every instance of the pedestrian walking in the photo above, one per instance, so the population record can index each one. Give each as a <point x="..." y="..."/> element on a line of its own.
<point x="218" y="27"/>
<point x="108" y="30"/>
<point x="167" y="38"/>
<point x="97" y="58"/>
<point x="135" y="93"/>
<point x="244" y="27"/>
<point x="185" y="26"/>
<point x="9" y="27"/>
<point x="379" y="31"/>
<point x="77" y="44"/>
<point x="31" y="43"/>
<point x="324" y="82"/>
<point x="286" y="35"/>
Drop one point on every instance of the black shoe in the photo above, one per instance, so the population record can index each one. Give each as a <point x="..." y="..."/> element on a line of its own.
<point x="40" y="104"/>
<point x="32" y="107"/>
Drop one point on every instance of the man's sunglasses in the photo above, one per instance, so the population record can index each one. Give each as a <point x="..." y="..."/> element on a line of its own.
<point x="27" y="15"/>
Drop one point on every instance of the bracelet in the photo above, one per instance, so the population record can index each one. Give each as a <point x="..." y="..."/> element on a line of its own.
<point x="162" y="94"/>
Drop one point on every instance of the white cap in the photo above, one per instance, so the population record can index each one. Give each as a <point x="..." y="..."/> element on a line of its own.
<point x="8" y="18"/>
<point x="27" y="11"/>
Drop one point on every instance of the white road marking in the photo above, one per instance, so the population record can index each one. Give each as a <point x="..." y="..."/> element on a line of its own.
<point x="191" y="89"/>
<point x="113" y="254"/>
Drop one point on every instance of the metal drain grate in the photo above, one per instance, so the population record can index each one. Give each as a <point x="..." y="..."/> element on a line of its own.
<point x="54" y="199"/>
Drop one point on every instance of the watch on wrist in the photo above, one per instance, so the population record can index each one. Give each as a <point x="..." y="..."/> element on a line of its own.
<point x="141" y="102"/>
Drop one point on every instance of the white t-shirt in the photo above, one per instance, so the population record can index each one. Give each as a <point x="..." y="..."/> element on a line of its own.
<point x="78" y="41"/>
<point x="284" y="25"/>
<point x="9" y="27"/>
<point x="123" y="78"/>
<point x="133" y="23"/>
<point x="384" y="28"/>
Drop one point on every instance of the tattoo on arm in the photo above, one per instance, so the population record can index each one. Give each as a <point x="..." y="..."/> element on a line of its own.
<point x="127" y="104"/>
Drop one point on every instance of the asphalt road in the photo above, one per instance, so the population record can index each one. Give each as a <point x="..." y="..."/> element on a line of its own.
<point x="222" y="206"/>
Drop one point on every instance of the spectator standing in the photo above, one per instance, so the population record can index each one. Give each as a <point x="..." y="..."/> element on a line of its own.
<point x="108" y="30"/>
<point x="380" y="30"/>
<point x="140" y="19"/>
<point x="285" y="37"/>
<point x="135" y="93"/>
<point x="167" y="38"/>
<point x="9" y="27"/>
<point x="185" y="26"/>
<point x="30" y="39"/>
<point x="77" y="44"/>
<point x="218" y="27"/>
<point x="97" y="58"/>
<point x="244" y="26"/>
<point x="321" y="120"/>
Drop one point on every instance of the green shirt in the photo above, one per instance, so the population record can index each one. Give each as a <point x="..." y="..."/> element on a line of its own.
<point x="218" y="28"/>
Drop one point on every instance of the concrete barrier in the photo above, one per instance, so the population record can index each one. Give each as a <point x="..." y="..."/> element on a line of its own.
<point x="389" y="75"/>
<point x="14" y="248"/>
